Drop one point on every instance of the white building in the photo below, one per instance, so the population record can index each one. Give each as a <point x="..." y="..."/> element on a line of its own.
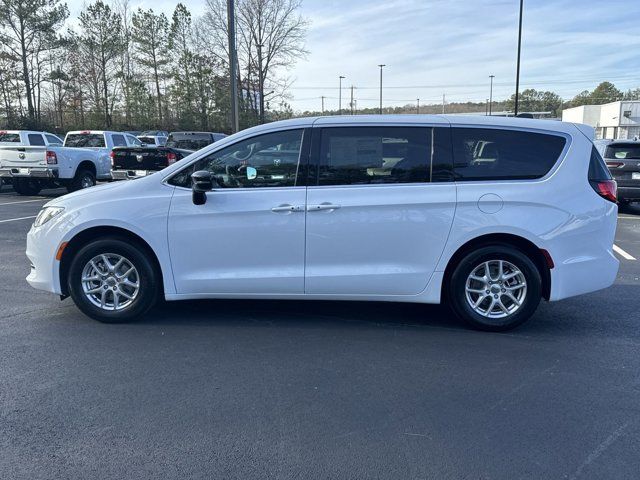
<point x="615" y="120"/>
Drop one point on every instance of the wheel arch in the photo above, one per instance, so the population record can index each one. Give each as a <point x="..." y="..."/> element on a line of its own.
<point x="86" y="165"/>
<point x="83" y="237"/>
<point x="535" y="253"/>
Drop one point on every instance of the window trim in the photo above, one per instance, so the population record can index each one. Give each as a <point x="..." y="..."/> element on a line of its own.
<point x="303" y="156"/>
<point x="559" y="161"/>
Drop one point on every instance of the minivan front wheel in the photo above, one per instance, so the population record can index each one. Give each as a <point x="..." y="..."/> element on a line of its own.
<point x="495" y="288"/>
<point x="112" y="281"/>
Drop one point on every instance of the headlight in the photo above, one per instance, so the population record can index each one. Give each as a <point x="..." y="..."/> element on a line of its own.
<point x="46" y="214"/>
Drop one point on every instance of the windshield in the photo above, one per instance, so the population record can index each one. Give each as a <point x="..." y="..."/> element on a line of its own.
<point x="87" y="140"/>
<point x="624" y="152"/>
<point x="9" y="137"/>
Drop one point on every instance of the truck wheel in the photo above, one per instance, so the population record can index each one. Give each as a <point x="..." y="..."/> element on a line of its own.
<point x="83" y="179"/>
<point x="113" y="280"/>
<point x="26" y="186"/>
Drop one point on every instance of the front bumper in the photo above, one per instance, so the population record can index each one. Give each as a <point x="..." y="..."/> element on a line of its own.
<point x="28" y="172"/>
<point x="41" y="251"/>
<point x="130" y="174"/>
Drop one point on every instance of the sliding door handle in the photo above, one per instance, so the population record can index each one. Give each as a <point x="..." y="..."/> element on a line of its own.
<point x="322" y="206"/>
<point x="286" y="208"/>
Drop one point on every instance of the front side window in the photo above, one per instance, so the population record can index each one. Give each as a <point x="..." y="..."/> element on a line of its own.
<point x="134" y="141"/>
<point x="494" y="154"/>
<point x="36" y="139"/>
<point x="269" y="160"/>
<point x="374" y="155"/>
<point x="53" y="140"/>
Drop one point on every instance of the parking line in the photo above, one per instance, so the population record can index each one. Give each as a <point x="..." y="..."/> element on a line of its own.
<point x="16" y="219"/>
<point x="622" y="253"/>
<point x="24" y="201"/>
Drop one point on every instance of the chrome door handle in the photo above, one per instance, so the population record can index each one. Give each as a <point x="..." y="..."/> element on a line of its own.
<point x="322" y="206"/>
<point x="287" y="208"/>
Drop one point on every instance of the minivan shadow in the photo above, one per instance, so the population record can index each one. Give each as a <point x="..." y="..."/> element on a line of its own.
<point x="297" y="313"/>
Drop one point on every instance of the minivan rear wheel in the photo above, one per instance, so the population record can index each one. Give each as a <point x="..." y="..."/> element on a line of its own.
<point x="495" y="288"/>
<point x="112" y="280"/>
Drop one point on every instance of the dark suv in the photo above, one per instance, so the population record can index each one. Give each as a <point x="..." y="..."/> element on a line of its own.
<point x="623" y="160"/>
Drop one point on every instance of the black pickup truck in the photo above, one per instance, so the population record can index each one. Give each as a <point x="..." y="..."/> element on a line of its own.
<point x="128" y="163"/>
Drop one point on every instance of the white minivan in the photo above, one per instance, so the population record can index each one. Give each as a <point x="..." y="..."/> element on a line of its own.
<point x="488" y="215"/>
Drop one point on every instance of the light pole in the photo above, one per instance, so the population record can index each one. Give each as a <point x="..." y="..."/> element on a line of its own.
<point x="233" y="62"/>
<point x="515" y="112"/>
<point x="340" y="96"/>
<point x="322" y="104"/>
<point x="351" y="103"/>
<point x="418" y="106"/>
<point x="381" y="67"/>
<point x="491" y="77"/>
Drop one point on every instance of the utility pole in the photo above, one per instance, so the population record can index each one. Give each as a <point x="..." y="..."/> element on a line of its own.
<point x="340" y="96"/>
<point x="261" y="83"/>
<point x="486" y="108"/>
<point x="418" y="106"/>
<point x="443" y="103"/>
<point x="351" y="103"/>
<point x="491" y="77"/>
<point x="233" y="62"/>
<point x="381" y="67"/>
<point x="322" y="104"/>
<point x="515" y="113"/>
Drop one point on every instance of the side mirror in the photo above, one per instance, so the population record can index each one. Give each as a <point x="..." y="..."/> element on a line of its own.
<point x="252" y="173"/>
<point x="201" y="183"/>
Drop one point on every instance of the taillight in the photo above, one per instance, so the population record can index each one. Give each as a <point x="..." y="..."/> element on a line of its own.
<point x="607" y="189"/>
<point x="615" y="164"/>
<point x="113" y="158"/>
<point x="171" y="158"/>
<point x="52" y="158"/>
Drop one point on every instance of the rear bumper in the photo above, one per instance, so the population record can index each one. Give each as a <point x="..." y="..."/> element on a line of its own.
<point x="28" y="172"/>
<point x="582" y="274"/>
<point x="130" y="174"/>
<point x="628" y="193"/>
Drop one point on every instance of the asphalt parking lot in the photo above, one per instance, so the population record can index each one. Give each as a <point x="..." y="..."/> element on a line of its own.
<point x="257" y="389"/>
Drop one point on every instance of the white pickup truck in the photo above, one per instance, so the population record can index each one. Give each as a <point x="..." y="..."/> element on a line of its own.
<point x="83" y="158"/>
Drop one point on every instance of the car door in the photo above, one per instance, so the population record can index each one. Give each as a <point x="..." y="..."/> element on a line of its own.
<point x="379" y="209"/>
<point x="248" y="238"/>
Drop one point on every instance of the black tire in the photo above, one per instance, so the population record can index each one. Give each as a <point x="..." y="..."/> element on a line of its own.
<point x="456" y="294"/>
<point x="148" y="279"/>
<point x="26" y="186"/>
<point x="84" y="179"/>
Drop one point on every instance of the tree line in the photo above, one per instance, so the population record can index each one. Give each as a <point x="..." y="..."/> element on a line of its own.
<point x="125" y="69"/>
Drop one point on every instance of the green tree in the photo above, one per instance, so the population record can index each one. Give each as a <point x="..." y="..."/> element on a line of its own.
<point x="531" y="100"/>
<point x="606" y="92"/>
<point x="150" y="34"/>
<point x="180" y="38"/>
<point x="27" y="28"/>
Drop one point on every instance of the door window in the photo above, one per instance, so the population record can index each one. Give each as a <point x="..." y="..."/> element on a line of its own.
<point x="36" y="139"/>
<point x="119" y="141"/>
<point x="269" y="160"/>
<point x="374" y="155"/>
<point x="53" y="140"/>
<point x="134" y="141"/>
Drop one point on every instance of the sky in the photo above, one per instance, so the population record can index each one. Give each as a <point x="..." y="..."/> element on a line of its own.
<point x="450" y="47"/>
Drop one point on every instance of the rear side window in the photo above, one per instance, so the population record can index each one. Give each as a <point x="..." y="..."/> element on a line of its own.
<point x="493" y="154"/>
<point x="119" y="141"/>
<point x="84" y="140"/>
<point x="35" y="139"/>
<point x="9" y="137"/>
<point x="374" y="155"/>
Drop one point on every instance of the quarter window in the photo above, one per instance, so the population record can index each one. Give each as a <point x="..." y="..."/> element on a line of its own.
<point x="374" y="155"/>
<point x="493" y="154"/>
<point x="269" y="160"/>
